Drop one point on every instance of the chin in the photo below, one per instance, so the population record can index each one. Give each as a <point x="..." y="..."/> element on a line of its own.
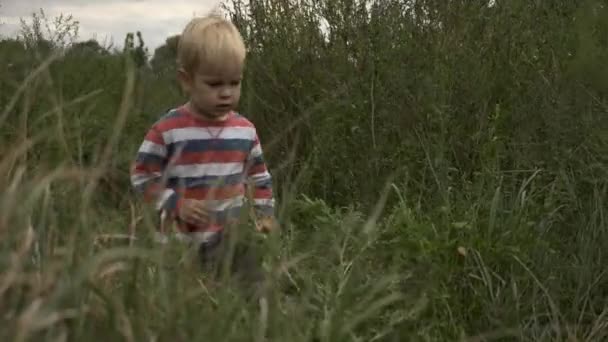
<point x="223" y="112"/>
<point x="218" y="115"/>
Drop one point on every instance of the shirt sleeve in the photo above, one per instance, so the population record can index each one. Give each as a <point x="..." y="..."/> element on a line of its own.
<point x="147" y="173"/>
<point x="260" y="180"/>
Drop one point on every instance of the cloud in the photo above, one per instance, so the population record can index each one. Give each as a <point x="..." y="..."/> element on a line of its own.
<point x="111" y="20"/>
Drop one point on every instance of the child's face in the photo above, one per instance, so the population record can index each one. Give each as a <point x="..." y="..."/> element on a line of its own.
<point x="213" y="94"/>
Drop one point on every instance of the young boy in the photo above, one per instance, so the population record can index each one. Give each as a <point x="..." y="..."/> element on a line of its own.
<point x="195" y="162"/>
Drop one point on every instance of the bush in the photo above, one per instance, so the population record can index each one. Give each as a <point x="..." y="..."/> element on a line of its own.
<point x="440" y="167"/>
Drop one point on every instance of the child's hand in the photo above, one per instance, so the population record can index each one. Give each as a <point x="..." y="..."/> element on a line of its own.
<point x="194" y="212"/>
<point x="266" y="224"/>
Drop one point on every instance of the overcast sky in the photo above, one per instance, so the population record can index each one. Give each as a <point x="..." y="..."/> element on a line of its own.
<point x="110" y="20"/>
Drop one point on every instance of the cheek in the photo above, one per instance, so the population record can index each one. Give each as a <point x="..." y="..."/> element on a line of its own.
<point x="206" y="92"/>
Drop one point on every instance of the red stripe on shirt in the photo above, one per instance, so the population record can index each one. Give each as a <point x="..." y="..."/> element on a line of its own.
<point x="262" y="193"/>
<point x="214" y="193"/>
<point x="256" y="169"/>
<point x="154" y="136"/>
<point x="188" y="119"/>
<point x="210" y="157"/>
<point x="146" y="168"/>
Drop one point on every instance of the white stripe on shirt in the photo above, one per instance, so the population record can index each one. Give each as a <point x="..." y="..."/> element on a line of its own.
<point x="223" y="204"/>
<point x="208" y="169"/>
<point x="153" y="148"/>
<point x="138" y="179"/>
<point x="264" y="202"/>
<point x="260" y="177"/>
<point x="256" y="151"/>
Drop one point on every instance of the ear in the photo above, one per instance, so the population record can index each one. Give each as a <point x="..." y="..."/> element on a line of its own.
<point x="185" y="80"/>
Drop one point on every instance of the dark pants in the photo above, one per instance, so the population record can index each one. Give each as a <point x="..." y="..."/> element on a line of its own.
<point x="223" y="258"/>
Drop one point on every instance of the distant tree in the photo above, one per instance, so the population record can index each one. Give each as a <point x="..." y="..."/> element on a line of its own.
<point x="13" y="66"/>
<point x="165" y="56"/>
<point x="11" y="50"/>
<point x="90" y="45"/>
<point x="139" y="53"/>
<point x="45" y="33"/>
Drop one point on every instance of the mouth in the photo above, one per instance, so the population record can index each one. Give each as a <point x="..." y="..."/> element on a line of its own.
<point x="224" y="107"/>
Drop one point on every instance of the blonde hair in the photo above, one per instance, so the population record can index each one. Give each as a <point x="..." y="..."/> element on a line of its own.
<point x="211" y="42"/>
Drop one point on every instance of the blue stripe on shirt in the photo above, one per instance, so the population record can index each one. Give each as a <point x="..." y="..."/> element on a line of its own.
<point x="203" y="145"/>
<point x="149" y="158"/>
<point x="193" y="182"/>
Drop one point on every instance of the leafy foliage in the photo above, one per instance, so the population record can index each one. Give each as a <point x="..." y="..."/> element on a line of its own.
<point x="441" y="170"/>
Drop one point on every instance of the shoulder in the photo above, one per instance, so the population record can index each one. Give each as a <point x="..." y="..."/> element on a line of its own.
<point x="169" y="120"/>
<point x="241" y="123"/>
<point x="240" y="120"/>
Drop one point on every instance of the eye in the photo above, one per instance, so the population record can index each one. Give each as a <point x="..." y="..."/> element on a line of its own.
<point x="235" y="83"/>
<point x="214" y="84"/>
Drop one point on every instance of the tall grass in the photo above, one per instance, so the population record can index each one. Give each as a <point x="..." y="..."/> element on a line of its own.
<point x="440" y="167"/>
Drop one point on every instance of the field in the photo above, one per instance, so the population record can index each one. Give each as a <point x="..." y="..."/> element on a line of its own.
<point x="441" y="172"/>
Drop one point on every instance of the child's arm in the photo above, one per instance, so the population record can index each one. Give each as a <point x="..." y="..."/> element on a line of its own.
<point x="260" y="181"/>
<point x="147" y="174"/>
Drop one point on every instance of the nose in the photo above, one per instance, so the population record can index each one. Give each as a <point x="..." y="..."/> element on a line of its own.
<point x="226" y="92"/>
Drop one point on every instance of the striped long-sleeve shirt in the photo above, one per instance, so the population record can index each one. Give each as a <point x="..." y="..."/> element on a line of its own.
<point x="185" y="157"/>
